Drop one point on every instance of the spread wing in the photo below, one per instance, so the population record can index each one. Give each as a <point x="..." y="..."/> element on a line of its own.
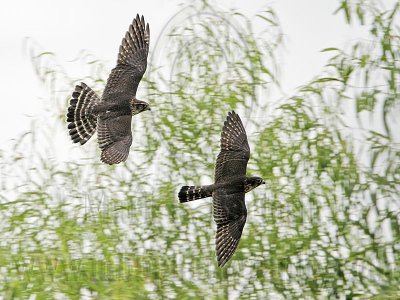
<point x="132" y="62"/>
<point x="230" y="214"/>
<point x="115" y="138"/>
<point x="235" y="150"/>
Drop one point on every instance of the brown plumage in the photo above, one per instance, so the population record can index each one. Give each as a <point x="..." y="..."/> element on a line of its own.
<point x="111" y="114"/>
<point x="228" y="191"/>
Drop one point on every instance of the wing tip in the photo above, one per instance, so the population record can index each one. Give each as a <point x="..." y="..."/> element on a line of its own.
<point x="221" y="264"/>
<point x="233" y="115"/>
<point x="225" y="251"/>
<point x="112" y="156"/>
<point x="234" y="119"/>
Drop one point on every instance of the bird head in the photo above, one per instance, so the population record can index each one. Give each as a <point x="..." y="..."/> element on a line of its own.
<point x="137" y="106"/>
<point x="252" y="183"/>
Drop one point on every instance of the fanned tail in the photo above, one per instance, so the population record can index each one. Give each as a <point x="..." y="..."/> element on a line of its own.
<point x="191" y="193"/>
<point x="82" y="122"/>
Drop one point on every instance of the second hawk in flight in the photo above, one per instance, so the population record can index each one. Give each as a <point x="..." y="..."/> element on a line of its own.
<point x="111" y="114"/>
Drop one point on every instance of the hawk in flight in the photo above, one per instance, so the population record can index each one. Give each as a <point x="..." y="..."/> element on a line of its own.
<point x="111" y="114"/>
<point x="228" y="191"/>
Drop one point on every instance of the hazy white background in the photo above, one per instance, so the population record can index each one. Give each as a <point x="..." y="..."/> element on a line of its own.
<point x="67" y="27"/>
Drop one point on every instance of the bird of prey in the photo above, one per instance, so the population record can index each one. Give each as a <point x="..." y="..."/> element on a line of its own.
<point x="111" y="114"/>
<point x="228" y="191"/>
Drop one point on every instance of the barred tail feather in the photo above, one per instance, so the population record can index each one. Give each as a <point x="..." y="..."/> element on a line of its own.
<point x="82" y="123"/>
<point x="190" y="193"/>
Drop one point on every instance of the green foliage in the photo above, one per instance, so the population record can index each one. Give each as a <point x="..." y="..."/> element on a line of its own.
<point x="325" y="226"/>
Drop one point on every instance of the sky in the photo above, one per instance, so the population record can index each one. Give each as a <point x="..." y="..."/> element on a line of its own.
<point x="68" y="27"/>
